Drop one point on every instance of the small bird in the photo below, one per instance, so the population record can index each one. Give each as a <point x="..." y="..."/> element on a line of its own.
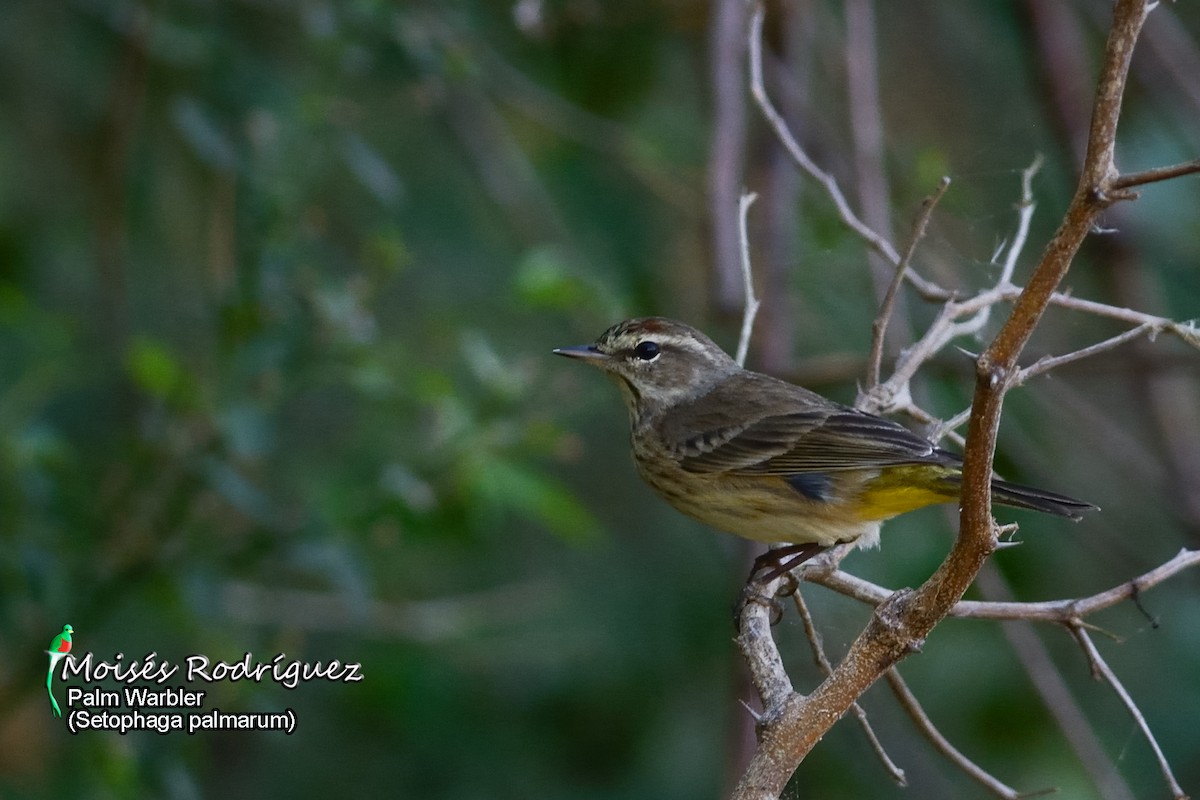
<point x="768" y="460"/>
<point x="59" y="647"/>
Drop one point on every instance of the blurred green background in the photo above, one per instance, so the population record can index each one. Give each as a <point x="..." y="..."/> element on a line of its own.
<point x="278" y="288"/>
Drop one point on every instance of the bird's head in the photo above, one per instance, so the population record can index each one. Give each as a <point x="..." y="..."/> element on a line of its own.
<point x="657" y="362"/>
<point x="68" y="629"/>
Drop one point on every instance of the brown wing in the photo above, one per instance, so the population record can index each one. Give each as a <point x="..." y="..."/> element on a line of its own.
<point x="822" y="440"/>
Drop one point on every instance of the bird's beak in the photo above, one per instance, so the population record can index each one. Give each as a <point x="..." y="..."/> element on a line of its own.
<point x="584" y="352"/>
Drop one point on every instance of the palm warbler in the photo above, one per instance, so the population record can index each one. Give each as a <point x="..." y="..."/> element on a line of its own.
<point x="765" y="459"/>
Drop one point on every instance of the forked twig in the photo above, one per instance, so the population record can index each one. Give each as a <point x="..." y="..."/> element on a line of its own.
<point x="1058" y="611"/>
<point x="879" y="326"/>
<point x="814" y="639"/>
<point x="912" y="706"/>
<point x="1101" y="670"/>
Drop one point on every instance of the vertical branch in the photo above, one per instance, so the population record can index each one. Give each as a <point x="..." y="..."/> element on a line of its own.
<point x="866" y="130"/>
<point x="880" y="326"/>
<point x="796" y="724"/>
<point x="727" y="44"/>
<point x="995" y="366"/>
<point x="780" y="229"/>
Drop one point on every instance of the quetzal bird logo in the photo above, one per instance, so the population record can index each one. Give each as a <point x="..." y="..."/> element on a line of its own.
<point x="59" y="647"/>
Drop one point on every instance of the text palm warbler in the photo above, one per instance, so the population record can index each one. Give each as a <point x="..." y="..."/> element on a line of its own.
<point x="768" y="460"/>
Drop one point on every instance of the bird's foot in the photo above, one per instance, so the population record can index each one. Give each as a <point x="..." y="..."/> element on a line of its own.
<point x="772" y="565"/>
<point x="754" y="592"/>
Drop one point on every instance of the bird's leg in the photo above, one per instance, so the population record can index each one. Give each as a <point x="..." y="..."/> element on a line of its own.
<point x="776" y="562"/>
<point x="1135" y="594"/>
<point x="783" y="559"/>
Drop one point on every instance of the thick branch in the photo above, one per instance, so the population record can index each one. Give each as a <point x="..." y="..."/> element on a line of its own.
<point x="793" y="724"/>
<point x="997" y="364"/>
<point x="767" y="672"/>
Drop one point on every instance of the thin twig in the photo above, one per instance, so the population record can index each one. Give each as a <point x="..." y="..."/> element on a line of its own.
<point x="1051" y="685"/>
<point x="912" y="706"/>
<point x="938" y="429"/>
<point x="1047" y="363"/>
<point x="1025" y="209"/>
<point x="1058" y="611"/>
<point x="879" y="326"/>
<point x="1101" y="669"/>
<point x="1132" y="179"/>
<point x="1024" y="217"/>
<point x="895" y="772"/>
<point x="1186" y="331"/>
<point x="1147" y="325"/>
<point x="750" y="308"/>
<point x="779" y="125"/>
<point x="950" y="426"/>
<point x="895" y="394"/>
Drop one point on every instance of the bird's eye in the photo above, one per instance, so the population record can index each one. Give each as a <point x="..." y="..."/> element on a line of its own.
<point x="646" y="351"/>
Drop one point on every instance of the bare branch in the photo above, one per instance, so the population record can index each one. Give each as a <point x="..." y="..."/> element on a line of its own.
<point x="814" y="639"/>
<point x="767" y="672"/>
<point x="775" y="119"/>
<point x="1186" y="331"/>
<point x="895" y="394"/>
<point x="1024" y="216"/>
<point x="950" y="426"/>
<point x="1101" y="669"/>
<point x="1050" y="684"/>
<point x="728" y="142"/>
<point x="1131" y="179"/>
<point x="982" y="311"/>
<point x="750" y="307"/>
<point x="879" y="327"/>
<point x="910" y="703"/>
<point x="1047" y="363"/>
<point x="792" y="723"/>
<point x="1058" y="611"/>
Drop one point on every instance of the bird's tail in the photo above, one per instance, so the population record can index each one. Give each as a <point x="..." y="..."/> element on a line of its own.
<point x="49" y="691"/>
<point x="1013" y="494"/>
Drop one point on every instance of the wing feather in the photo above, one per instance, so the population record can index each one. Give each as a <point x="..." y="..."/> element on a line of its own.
<point x="821" y="440"/>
